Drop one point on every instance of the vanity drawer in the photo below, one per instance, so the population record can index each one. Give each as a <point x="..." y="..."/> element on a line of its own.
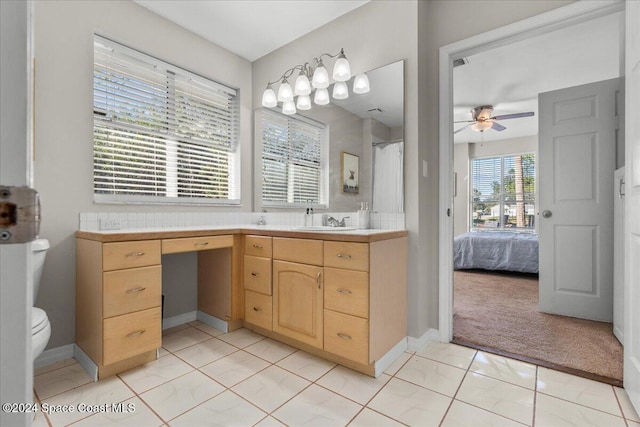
<point x="190" y="244"/>
<point x="258" y="246"/>
<point x="257" y="274"/>
<point x="258" y="309"/>
<point x="131" y="334"/>
<point x="304" y="251"/>
<point x="353" y="256"/>
<point x="346" y="336"/>
<point x="346" y="291"/>
<point x="119" y="255"/>
<point x="135" y="289"/>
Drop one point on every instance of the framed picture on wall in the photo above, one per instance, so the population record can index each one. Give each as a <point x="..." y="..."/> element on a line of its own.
<point x="350" y="173"/>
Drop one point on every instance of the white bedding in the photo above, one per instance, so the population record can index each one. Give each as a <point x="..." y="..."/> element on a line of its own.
<point x="496" y="250"/>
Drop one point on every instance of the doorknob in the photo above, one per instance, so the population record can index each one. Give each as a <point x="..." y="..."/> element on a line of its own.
<point x="546" y="214"/>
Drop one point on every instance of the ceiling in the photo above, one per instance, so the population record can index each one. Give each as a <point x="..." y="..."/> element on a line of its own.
<point x="251" y="28"/>
<point x="511" y="77"/>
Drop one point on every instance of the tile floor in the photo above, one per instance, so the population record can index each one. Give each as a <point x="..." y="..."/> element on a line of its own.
<point x="206" y="378"/>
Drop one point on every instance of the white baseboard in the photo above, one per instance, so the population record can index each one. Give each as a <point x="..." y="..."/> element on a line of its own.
<point x="416" y="344"/>
<point x="86" y="362"/>
<point x="207" y="319"/>
<point x="180" y="319"/>
<point x="54" y="355"/>
<point x="191" y="316"/>
<point x="390" y="357"/>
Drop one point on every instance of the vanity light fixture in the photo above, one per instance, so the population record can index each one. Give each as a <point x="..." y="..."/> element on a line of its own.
<point x="312" y="77"/>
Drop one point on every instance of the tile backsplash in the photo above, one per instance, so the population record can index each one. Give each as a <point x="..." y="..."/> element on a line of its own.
<point x="97" y="221"/>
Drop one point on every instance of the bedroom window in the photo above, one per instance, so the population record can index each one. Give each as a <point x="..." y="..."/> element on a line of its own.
<point x="503" y="192"/>
<point x="294" y="160"/>
<point x="161" y="134"/>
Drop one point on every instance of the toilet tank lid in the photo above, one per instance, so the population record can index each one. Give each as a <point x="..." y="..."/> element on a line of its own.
<point x="40" y="245"/>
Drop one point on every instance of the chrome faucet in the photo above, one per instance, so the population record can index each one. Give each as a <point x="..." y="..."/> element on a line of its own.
<point x="332" y="222"/>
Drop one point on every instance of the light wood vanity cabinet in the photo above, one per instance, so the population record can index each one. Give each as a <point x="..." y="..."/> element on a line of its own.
<point x="118" y="303"/>
<point x="346" y="299"/>
<point x="338" y="296"/>
<point x="346" y="296"/>
<point x="257" y="281"/>
<point x="297" y="302"/>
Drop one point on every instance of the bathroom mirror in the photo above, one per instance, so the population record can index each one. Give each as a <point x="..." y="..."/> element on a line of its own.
<point x="369" y="127"/>
<point x="382" y="143"/>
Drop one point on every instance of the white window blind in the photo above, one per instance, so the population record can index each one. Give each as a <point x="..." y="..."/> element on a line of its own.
<point x="503" y="192"/>
<point x="294" y="160"/>
<point x="161" y="134"/>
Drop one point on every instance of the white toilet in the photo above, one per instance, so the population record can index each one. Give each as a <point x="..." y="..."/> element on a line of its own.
<point x="40" y="326"/>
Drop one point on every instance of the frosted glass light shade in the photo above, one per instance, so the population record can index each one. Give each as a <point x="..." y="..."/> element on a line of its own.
<point x="269" y="99"/>
<point x="285" y="93"/>
<point x="481" y="126"/>
<point x="304" y="102"/>
<point x="340" y="90"/>
<point x="288" y="108"/>
<point x="303" y="87"/>
<point x="341" y="69"/>
<point x="320" y="78"/>
<point x="361" y="84"/>
<point x="321" y="97"/>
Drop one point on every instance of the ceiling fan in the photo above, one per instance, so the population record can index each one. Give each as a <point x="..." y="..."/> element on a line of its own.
<point x="482" y="119"/>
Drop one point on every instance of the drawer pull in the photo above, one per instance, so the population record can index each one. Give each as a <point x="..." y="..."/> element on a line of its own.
<point x="134" y="254"/>
<point x="257" y="309"/>
<point x="136" y="333"/>
<point x="201" y="244"/>
<point x="254" y="274"/>
<point x="134" y="290"/>
<point x="347" y="256"/>
<point x="343" y="291"/>
<point x="319" y="280"/>
<point x="257" y="246"/>
<point x="343" y="336"/>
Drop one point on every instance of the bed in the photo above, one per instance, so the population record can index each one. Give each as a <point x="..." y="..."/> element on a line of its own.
<point x="496" y="250"/>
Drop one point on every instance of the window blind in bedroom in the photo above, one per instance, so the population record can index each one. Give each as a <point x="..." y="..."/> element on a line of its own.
<point x="503" y="192"/>
<point x="161" y="134"/>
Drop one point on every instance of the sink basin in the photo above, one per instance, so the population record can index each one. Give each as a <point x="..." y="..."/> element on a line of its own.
<point x="322" y="228"/>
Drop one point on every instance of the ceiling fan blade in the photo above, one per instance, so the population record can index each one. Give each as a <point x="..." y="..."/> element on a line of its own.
<point x="462" y="128"/>
<point x="513" y="116"/>
<point x="465" y="121"/>
<point x="497" y="126"/>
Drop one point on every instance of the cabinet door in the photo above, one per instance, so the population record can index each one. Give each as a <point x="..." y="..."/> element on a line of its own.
<point x="297" y="302"/>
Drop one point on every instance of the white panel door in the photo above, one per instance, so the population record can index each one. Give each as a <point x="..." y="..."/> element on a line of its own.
<point x="618" y="255"/>
<point x="632" y="205"/>
<point x="575" y="168"/>
<point x="16" y="368"/>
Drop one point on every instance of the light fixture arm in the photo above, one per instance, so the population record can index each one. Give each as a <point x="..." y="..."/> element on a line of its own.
<point x="304" y="68"/>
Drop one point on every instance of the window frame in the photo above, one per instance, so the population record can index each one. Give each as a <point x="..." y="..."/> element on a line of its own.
<point x="323" y="169"/>
<point x="501" y="199"/>
<point x="174" y="133"/>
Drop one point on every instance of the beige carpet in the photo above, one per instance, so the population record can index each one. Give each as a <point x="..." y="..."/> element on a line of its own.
<point x="500" y="311"/>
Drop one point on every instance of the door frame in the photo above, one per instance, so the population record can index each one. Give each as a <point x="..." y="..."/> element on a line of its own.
<point x="580" y="11"/>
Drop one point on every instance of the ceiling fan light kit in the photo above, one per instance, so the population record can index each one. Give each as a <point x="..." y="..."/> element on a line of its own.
<point x="314" y="76"/>
<point x="482" y="119"/>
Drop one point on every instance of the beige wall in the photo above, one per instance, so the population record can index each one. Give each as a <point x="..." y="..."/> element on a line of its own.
<point x="462" y="153"/>
<point x="64" y="123"/>
<point x="376" y="34"/>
